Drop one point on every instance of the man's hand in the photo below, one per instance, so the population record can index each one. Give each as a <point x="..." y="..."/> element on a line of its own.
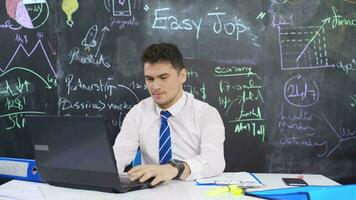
<point x="160" y="173"/>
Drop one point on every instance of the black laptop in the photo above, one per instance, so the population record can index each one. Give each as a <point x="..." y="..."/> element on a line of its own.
<point x="76" y="152"/>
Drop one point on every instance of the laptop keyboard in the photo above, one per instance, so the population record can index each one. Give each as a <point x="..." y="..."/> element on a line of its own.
<point x="125" y="180"/>
<point x="128" y="185"/>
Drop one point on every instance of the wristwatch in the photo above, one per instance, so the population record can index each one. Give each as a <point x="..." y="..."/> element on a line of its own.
<point x="179" y="165"/>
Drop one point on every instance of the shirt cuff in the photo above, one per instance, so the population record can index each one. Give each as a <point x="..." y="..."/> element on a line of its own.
<point x="196" y="168"/>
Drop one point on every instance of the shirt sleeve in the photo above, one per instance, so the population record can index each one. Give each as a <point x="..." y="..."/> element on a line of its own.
<point x="127" y="141"/>
<point x="210" y="162"/>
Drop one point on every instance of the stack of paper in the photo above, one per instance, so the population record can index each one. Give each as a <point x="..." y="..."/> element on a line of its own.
<point x="243" y="179"/>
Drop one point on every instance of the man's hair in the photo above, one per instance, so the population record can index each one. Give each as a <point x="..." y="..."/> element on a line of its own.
<point x="163" y="52"/>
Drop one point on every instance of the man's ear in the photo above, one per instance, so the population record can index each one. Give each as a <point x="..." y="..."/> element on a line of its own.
<point x="183" y="75"/>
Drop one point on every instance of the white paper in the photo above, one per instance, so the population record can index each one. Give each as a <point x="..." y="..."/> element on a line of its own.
<point x="25" y="191"/>
<point x="243" y="179"/>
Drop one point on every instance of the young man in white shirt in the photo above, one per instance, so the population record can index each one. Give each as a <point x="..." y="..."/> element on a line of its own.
<point x="194" y="147"/>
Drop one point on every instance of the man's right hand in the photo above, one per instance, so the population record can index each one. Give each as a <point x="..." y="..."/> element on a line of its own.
<point x="160" y="173"/>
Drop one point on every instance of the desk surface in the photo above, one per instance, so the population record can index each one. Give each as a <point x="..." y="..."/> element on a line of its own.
<point x="171" y="190"/>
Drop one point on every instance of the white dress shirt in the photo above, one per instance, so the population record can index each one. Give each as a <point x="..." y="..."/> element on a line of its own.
<point x="197" y="136"/>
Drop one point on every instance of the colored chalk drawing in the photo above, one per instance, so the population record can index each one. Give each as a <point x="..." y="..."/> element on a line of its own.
<point x="69" y="7"/>
<point x="30" y="14"/>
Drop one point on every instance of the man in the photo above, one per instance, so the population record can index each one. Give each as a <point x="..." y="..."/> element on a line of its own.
<point x="187" y="142"/>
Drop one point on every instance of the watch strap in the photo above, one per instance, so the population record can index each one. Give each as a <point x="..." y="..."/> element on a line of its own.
<point x="179" y="165"/>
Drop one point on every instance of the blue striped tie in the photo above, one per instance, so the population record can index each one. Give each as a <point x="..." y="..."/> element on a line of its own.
<point x="165" y="148"/>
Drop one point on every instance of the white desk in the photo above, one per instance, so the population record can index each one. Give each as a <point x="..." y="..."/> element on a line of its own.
<point x="173" y="190"/>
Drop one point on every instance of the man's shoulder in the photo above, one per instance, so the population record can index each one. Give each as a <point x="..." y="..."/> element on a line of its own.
<point x="144" y="104"/>
<point x="204" y="112"/>
<point x="198" y="104"/>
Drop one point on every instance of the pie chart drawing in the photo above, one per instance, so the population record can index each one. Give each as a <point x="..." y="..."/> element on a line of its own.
<point x="30" y="14"/>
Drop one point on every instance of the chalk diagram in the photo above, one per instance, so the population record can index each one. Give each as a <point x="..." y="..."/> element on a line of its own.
<point x="30" y="14"/>
<point x="303" y="47"/>
<point x="19" y="82"/>
<point x="21" y="49"/>
<point x="118" y="7"/>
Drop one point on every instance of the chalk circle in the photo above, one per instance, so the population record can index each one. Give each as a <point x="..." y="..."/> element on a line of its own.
<point x="30" y="14"/>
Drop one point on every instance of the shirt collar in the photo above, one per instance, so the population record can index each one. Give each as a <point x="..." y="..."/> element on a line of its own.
<point x="175" y="108"/>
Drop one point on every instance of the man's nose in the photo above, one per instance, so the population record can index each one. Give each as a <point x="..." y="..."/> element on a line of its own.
<point x="156" y="84"/>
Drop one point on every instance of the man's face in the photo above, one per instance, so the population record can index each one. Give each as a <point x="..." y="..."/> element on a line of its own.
<point x="164" y="83"/>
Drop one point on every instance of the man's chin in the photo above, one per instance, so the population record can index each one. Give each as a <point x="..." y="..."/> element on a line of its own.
<point x="160" y="103"/>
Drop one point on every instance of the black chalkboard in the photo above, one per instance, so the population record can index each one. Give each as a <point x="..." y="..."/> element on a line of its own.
<point x="280" y="72"/>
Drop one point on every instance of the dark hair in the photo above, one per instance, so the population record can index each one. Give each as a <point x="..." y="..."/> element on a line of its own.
<point x="163" y="52"/>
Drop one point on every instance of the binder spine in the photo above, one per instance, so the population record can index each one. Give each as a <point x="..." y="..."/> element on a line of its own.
<point x="19" y="169"/>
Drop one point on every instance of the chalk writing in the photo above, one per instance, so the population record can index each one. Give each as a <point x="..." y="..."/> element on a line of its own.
<point x="101" y="86"/>
<point x="280" y="19"/>
<point x="306" y="142"/>
<point x="346" y="67"/>
<point x="300" y="93"/>
<point x="240" y="98"/>
<point x="197" y="91"/>
<point x="235" y="27"/>
<point x="344" y="135"/>
<point x="84" y="58"/>
<point x="123" y="23"/>
<point x="298" y="121"/>
<point x="261" y="15"/>
<point x="353" y="100"/>
<point x="192" y="73"/>
<point x="14" y="88"/>
<point x="98" y="105"/>
<point x="221" y="71"/>
<point x="17" y="119"/>
<point x="15" y="103"/>
<point x="255" y="128"/>
<point x="21" y="38"/>
<point x="232" y="27"/>
<point x="296" y="130"/>
<point x="171" y="22"/>
<point x="48" y="81"/>
<point x="338" y="20"/>
<point x="134" y="85"/>
<point x="8" y="25"/>
<point x="16" y="91"/>
<point x="88" y="42"/>
<point x="226" y="86"/>
<point x="305" y="47"/>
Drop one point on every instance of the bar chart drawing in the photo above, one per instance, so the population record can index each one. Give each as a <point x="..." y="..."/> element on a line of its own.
<point x="303" y="48"/>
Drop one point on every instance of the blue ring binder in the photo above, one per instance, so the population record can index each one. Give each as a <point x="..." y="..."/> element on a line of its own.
<point x="8" y="167"/>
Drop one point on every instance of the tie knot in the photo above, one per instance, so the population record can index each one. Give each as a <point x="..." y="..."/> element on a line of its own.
<point x="165" y="114"/>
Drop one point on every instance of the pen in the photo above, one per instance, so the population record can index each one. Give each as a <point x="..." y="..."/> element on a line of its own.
<point x="212" y="184"/>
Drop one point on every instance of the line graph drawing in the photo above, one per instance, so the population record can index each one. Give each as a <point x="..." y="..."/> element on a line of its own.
<point x="20" y="48"/>
<point x="303" y="47"/>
